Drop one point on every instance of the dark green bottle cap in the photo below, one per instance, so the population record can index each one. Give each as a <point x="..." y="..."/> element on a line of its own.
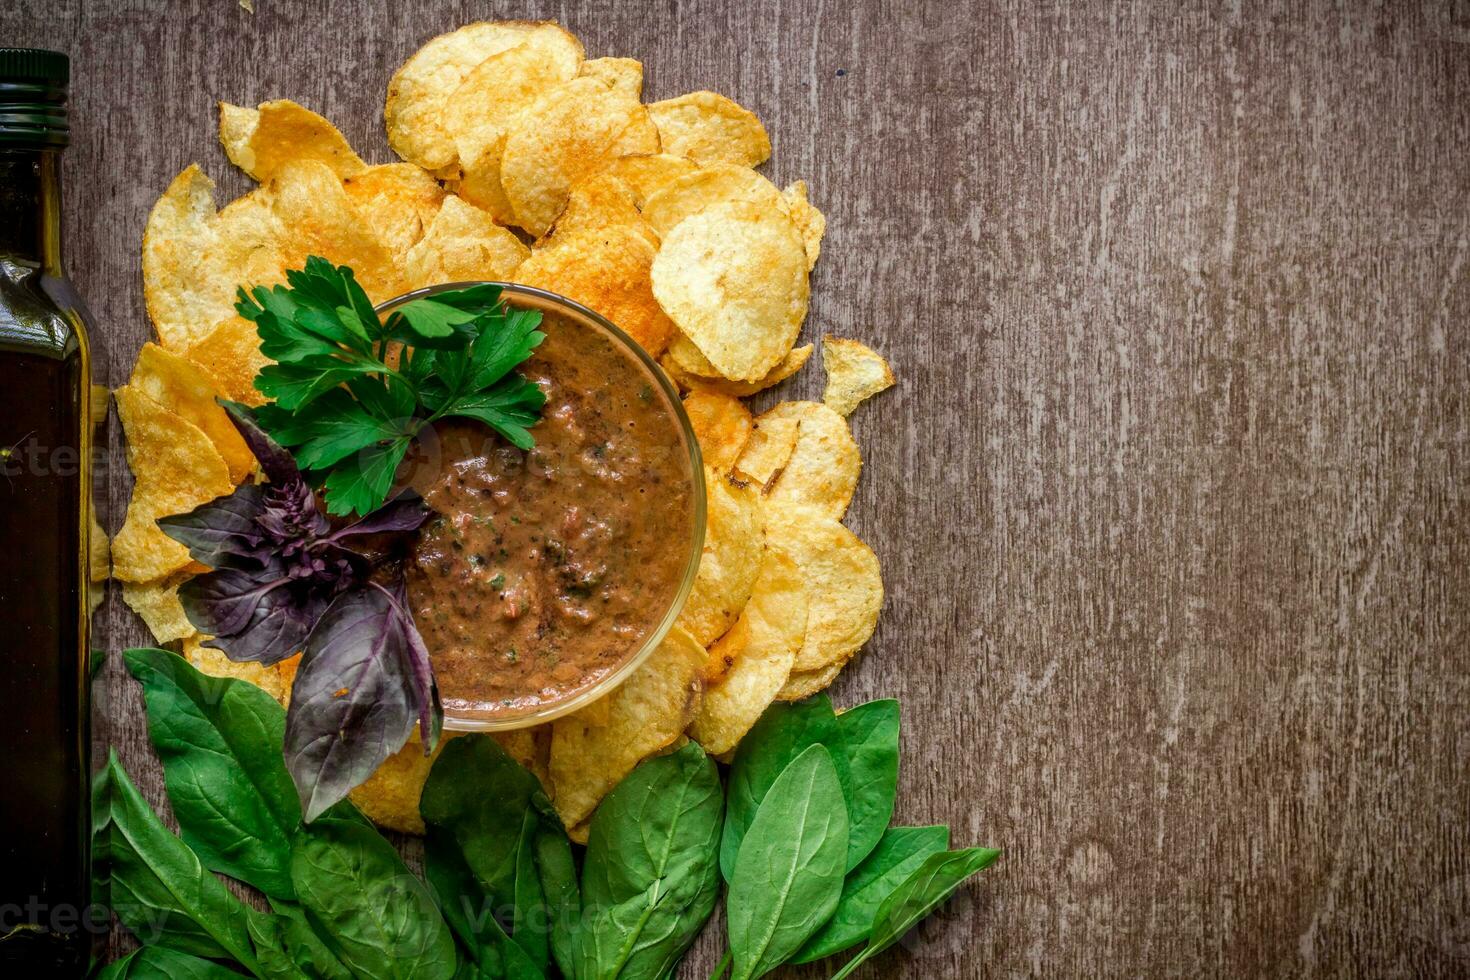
<point x="33" y="86"/>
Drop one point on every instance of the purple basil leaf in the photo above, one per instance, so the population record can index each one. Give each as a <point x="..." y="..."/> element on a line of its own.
<point x="260" y="616"/>
<point x="356" y="696"/>
<point x="223" y="533"/>
<point x="405" y="512"/>
<point x="275" y="462"/>
<point x="426" y="689"/>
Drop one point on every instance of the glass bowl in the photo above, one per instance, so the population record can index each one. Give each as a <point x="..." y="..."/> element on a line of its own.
<point x="527" y="297"/>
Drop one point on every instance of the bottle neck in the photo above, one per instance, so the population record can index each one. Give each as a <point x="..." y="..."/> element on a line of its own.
<point x="30" y="207"/>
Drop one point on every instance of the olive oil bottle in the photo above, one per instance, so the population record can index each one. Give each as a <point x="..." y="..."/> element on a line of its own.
<point x="45" y="517"/>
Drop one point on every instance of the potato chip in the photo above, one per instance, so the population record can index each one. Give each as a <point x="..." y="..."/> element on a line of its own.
<point x="716" y="183"/>
<point x="809" y="221"/>
<point x="464" y="244"/>
<point x="194" y="259"/>
<point x="823" y="468"/>
<point x="722" y="426"/>
<point x="621" y="74"/>
<point x="804" y="683"/>
<point x="595" y="204"/>
<point x="230" y="353"/>
<point x="99" y="549"/>
<point x="733" y="546"/>
<point x="318" y="218"/>
<point x="609" y="273"/>
<point x="390" y="796"/>
<point x="844" y="584"/>
<point x="855" y="373"/>
<point x="771" y="443"/>
<point x="647" y="173"/>
<point x="733" y="278"/>
<point x="709" y="128"/>
<point x="648" y="712"/>
<point x="261" y="141"/>
<point x="573" y="131"/>
<point x="485" y="106"/>
<point x="752" y="662"/>
<point x="182" y="387"/>
<point x="175" y="468"/>
<point x="421" y="88"/>
<point x="689" y="359"/>
<point x="158" y="605"/>
<point x="398" y="202"/>
<point x="273" y="680"/>
<point x="794" y="361"/>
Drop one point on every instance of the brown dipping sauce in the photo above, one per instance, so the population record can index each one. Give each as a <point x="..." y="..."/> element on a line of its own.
<point x="544" y="571"/>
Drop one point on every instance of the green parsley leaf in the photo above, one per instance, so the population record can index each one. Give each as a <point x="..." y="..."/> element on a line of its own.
<point x="347" y="411"/>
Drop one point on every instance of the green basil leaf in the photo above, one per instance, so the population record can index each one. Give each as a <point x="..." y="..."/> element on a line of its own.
<point x="470" y="913"/>
<point x="531" y="929"/>
<point x="788" y="874"/>
<point x="287" y="945"/>
<point x="868" y="737"/>
<point x="781" y="734"/>
<point x="159" y="888"/>
<point x="651" y="877"/>
<point x="162" y="963"/>
<point x="220" y="744"/>
<point x="923" y="891"/>
<point x="899" y="852"/>
<point x="379" y="918"/>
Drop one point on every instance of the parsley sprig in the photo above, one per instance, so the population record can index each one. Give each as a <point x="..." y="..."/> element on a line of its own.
<point x="350" y="392"/>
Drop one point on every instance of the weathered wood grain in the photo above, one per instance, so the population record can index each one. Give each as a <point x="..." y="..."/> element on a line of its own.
<point x="1171" y="497"/>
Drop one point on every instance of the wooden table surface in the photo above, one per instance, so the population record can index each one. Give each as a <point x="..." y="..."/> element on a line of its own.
<point x="1171" y="498"/>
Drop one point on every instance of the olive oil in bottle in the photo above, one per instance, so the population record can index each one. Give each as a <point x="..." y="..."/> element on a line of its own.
<point x="45" y="516"/>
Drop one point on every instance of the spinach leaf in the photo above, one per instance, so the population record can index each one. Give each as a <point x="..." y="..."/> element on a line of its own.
<point x="220" y="744"/>
<point x="508" y="834"/>
<point x="934" y="881"/>
<point x="781" y="734"/>
<point x="788" y="875"/>
<point x="379" y="918"/>
<point x="651" y="876"/>
<point x="868" y="736"/>
<point x="901" y="850"/>
<point x="162" y="963"/>
<point x="469" y="913"/>
<point x="287" y="945"/>
<point x="159" y="888"/>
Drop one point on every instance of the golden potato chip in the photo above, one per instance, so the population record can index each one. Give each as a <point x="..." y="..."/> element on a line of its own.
<point x="843" y="582"/>
<point x="648" y="712"/>
<point x="752" y="661"/>
<point x="398" y="201"/>
<point x="709" y="128"/>
<point x="804" y="683"/>
<point x="716" y="183"/>
<point x="463" y="244"/>
<point x="261" y="141"/>
<point x="572" y="131"/>
<point x="595" y="204"/>
<point x="809" y="221"/>
<point x="792" y="363"/>
<point x="420" y="89"/>
<point x="771" y="443"/>
<point x="390" y="796"/>
<point x="823" y="468"/>
<point x="647" y="173"/>
<point x="622" y="74"/>
<point x="273" y="680"/>
<point x="158" y="605"/>
<point x="175" y="468"/>
<point x="485" y="106"/>
<point x="855" y="373"/>
<point x="184" y="388"/>
<point x="318" y="218"/>
<point x="733" y="546"/>
<point x="733" y="278"/>
<point x="722" y="425"/>
<point x="609" y="273"/>
<point x="689" y="359"/>
<point x="230" y="354"/>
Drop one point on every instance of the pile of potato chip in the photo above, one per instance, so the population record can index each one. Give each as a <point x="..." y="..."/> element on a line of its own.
<point x="525" y="161"/>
